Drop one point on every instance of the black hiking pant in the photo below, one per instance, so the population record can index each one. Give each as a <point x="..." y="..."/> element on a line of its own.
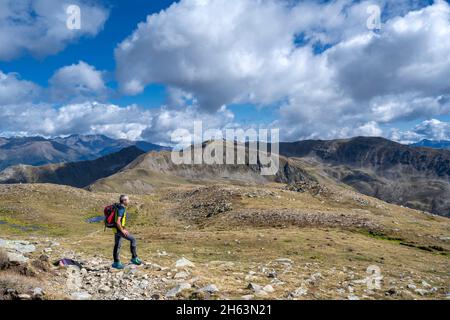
<point x="118" y="243"/>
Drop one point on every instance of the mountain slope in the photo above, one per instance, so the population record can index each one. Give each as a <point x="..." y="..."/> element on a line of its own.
<point x="305" y="246"/>
<point x="35" y="151"/>
<point x="38" y="151"/>
<point x="411" y="176"/>
<point x="155" y="169"/>
<point x="76" y="174"/>
<point x="100" y="145"/>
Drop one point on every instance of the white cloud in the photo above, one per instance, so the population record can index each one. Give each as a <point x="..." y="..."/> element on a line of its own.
<point x="411" y="55"/>
<point x="131" y="122"/>
<point x="166" y="121"/>
<point x="15" y="90"/>
<point x="218" y="52"/>
<point x="39" y="26"/>
<point x="77" y="82"/>
<point x="432" y="129"/>
<point x="212" y="53"/>
<point x="84" y="118"/>
<point x="399" y="75"/>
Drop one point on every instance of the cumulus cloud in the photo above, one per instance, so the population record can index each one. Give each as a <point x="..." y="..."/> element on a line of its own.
<point x="410" y="55"/>
<point x="84" y="118"/>
<point x="317" y="63"/>
<point x="218" y="52"/>
<point x="131" y="122"/>
<point x="432" y="129"/>
<point x="39" y="26"/>
<point x="15" y="90"/>
<point x="167" y="120"/>
<point x="77" y="82"/>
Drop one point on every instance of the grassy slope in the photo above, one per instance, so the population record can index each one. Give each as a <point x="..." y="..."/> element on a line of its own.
<point x="337" y="253"/>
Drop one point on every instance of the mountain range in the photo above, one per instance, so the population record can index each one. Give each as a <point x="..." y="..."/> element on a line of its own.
<point x="438" y="144"/>
<point x="416" y="177"/>
<point x="38" y="151"/>
<point x="412" y="176"/>
<point x="76" y="174"/>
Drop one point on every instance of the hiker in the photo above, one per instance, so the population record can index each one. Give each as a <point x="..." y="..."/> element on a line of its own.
<point x="120" y="232"/>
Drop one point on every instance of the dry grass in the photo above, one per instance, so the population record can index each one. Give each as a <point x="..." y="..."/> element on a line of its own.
<point x="3" y="259"/>
<point x="12" y="284"/>
<point x="225" y="252"/>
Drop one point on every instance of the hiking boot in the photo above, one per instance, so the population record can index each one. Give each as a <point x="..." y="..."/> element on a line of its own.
<point x="136" y="261"/>
<point x="117" y="265"/>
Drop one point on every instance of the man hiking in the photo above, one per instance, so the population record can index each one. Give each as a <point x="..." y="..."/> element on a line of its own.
<point x="120" y="232"/>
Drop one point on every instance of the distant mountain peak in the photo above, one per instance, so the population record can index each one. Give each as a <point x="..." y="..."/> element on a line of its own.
<point x="40" y="151"/>
<point x="435" y="144"/>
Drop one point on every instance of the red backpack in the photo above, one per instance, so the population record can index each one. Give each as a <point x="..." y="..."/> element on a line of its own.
<point x="110" y="215"/>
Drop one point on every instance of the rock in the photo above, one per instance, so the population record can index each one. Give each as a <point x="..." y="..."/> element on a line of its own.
<point x="248" y="297"/>
<point x="17" y="246"/>
<point x="162" y="253"/>
<point x="299" y="292"/>
<point x="316" y="276"/>
<point x="83" y="295"/>
<point x="24" y="296"/>
<point x="426" y="284"/>
<point x="261" y="293"/>
<point x="194" y="280"/>
<point x="268" y="289"/>
<point x="411" y="286"/>
<point x="391" y="291"/>
<point x="156" y="296"/>
<point x="183" y="263"/>
<point x="284" y="260"/>
<point x="16" y="258"/>
<point x="38" y="293"/>
<point x="340" y="291"/>
<point x="130" y="269"/>
<point x="422" y="292"/>
<point x="48" y="250"/>
<point x="254" y="287"/>
<point x="104" y="289"/>
<point x="209" y="288"/>
<point x="144" y="284"/>
<point x="353" y="297"/>
<point x="181" y="275"/>
<point x="179" y="288"/>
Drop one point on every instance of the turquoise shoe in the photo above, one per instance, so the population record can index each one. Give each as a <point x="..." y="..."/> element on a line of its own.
<point x="136" y="261"/>
<point x="117" y="265"/>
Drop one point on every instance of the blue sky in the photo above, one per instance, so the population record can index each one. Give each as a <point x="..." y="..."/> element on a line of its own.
<point x="312" y="69"/>
<point x="98" y="50"/>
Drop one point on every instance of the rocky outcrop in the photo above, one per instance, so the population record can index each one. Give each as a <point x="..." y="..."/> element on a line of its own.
<point x="382" y="168"/>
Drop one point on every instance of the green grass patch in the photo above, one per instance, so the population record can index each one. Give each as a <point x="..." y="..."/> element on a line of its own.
<point x="381" y="236"/>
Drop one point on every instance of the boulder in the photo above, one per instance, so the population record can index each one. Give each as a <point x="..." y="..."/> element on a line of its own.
<point x="268" y="289"/>
<point x="181" y="275"/>
<point x="209" y="289"/>
<point x="183" y="263"/>
<point x="254" y="287"/>
<point x="83" y="295"/>
<point x="178" y="289"/>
